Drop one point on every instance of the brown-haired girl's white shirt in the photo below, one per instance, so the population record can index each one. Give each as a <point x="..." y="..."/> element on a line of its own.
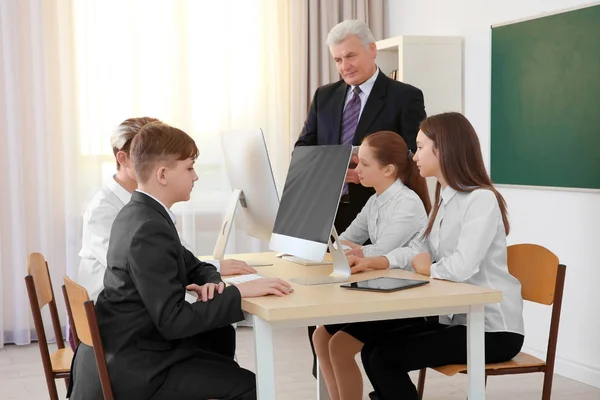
<point x="390" y="220"/>
<point x="467" y="244"/>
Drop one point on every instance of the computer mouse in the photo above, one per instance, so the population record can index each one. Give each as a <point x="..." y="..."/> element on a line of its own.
<point x="279" y="255"/>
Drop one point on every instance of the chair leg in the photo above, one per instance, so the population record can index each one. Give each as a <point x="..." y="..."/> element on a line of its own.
<point x="547" y="389"/>
<point x="67" y="382"/>
<point x="421" y="383"/>
<point x="51" y="386"/>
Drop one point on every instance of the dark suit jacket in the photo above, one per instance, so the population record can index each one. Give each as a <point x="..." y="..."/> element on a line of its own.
<point x="145" y="323"/>
<point x="391" y="106"/>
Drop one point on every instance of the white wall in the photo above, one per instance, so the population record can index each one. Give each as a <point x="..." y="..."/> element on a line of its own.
<point x="538" y="216"/>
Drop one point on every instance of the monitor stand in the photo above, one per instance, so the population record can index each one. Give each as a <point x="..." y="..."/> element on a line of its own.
<point x="341" y="268"/>
<point x="219" y="251"/>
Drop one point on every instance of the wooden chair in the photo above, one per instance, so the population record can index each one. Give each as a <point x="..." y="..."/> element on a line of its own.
<point x="85" y="329"/>
<point x="57" y="365"/>
<point x="542" y="281"/>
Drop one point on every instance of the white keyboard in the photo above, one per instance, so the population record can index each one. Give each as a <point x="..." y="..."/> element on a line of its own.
<point x="303" y="261"/>
<point x="259" y="263"/>
<point x="234" y="280"/>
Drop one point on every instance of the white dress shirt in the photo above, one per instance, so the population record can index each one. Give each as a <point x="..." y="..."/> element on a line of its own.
<point x="97" y="222"/>
<point x="365" y="91"/>
<point x="390" y="220"/>
<point x="467" y="244"/>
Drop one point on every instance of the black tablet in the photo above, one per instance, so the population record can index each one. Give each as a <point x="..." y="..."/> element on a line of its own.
<point x="383" y="284"/>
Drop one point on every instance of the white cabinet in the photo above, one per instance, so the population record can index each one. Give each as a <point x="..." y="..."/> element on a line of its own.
<point x="433" y="64"/>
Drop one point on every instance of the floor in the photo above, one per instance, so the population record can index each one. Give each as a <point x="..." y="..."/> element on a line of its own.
<point x="21" y="375"/>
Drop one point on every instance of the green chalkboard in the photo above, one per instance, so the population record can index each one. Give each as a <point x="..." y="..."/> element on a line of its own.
<point x="545" y="105"/>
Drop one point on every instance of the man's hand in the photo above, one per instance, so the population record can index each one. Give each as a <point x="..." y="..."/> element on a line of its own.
<point x="422" y="263"/>
<point x="351" y="245"/>
<point x="355" y="252"/>
<point x="353" y="161"/>
<point x="206" y="292"/>
<point x="358" y="264"/>
<point x="235" y="267"/>
<point x="264" y="287"/>
<point x="352" y="176"/>
<point x="354" y="249"/>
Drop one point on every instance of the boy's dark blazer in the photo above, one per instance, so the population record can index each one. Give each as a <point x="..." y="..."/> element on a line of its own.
<point x="145" y="323"/>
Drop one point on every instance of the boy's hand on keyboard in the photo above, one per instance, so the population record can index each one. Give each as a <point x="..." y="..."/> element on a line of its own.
<point x="235" y="267"/>
<point x="264" y="287"/>
<point x="206" y="292"/>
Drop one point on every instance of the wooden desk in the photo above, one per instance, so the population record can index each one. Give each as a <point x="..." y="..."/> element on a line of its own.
<point x="328" y="304"/>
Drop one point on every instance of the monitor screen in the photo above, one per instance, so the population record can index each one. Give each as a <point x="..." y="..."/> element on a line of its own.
<point x="311" y="194"/>
<point x="249" y="170"/>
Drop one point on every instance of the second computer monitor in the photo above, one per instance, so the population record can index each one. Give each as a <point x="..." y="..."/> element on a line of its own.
<point x="254" y="192"/>
<point x="310" y="200"/>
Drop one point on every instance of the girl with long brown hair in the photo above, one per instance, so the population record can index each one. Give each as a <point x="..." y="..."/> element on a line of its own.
<point x="464" y="241"/>
<point x="390" y="219"/>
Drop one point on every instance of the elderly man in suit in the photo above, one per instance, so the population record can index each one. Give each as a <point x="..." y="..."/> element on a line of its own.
<point x="364" y="101"/>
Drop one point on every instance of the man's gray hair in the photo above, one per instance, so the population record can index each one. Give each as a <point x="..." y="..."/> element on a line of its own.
<point x="127" y="130"/>
<point x="350" y="27"/>
<point x="119" y="137"/>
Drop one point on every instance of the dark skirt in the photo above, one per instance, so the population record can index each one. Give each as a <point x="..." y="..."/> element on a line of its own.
<point x="375" y="331"/>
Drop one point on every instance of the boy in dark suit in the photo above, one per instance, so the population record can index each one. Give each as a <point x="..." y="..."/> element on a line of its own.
<point x="157" y="345"/>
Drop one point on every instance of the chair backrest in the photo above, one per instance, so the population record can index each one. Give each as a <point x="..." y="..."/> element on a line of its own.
<point x="39" y="289"/>
<point x="38" y="269"/>
<point x="86" y="327"/>
<point x="77" y="297"/>
<point x="542" y="281"/>
<point x="537" y="269"/>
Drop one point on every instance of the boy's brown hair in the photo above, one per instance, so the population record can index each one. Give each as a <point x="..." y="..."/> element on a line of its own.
<point x="158" y="143"/>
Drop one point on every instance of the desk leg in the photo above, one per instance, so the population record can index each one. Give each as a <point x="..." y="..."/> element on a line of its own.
<point x="322" y="393"/>
<point x="265" y="369"/>
<point x="476" y="352"/>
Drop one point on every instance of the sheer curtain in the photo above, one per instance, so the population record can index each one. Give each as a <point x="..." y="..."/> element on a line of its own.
<point x="39" y="207"/>
<point x="71" y="70"/>
<point x="203" y="66"/>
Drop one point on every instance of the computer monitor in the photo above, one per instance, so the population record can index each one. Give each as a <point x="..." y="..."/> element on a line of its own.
<point x="253" y="188"/>
<point x="309" y="202"/>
